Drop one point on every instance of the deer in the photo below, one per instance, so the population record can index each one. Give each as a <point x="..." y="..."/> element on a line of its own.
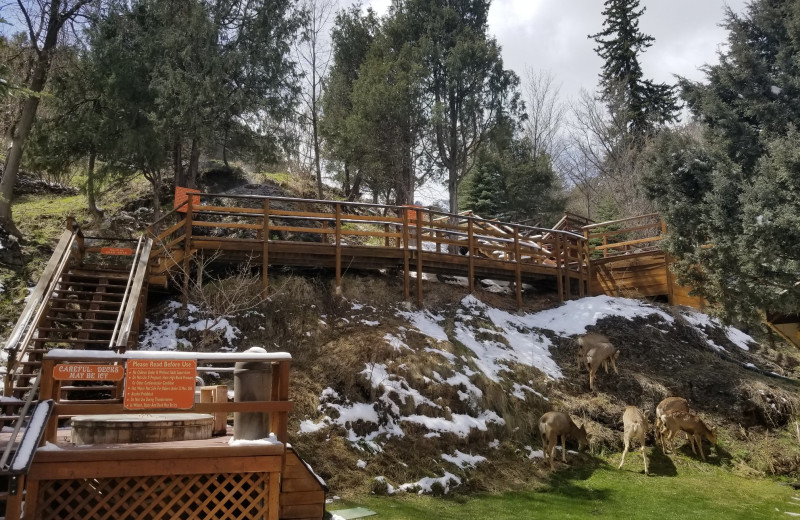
<point x="596" y="349"/>
<point x="553" y="425"/>
<point x="670" y="404"/>
<point x="694" y="427"/>
<point x="636" y="427"/>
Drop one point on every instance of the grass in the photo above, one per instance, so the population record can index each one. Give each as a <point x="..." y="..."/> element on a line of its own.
<point x="42" y="217"/>
<point x="692" y="490"/>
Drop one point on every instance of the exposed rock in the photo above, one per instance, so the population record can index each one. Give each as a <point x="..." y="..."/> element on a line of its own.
<point x="10" y="253"/>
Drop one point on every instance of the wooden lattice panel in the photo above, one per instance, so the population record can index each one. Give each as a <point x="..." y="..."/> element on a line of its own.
<point x="219" y="496"/>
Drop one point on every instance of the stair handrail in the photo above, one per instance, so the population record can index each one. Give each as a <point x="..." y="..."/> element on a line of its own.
<point x="65" y="241"/>
<point x="130" y="300"/>
<point x="18" y="425"/>
<point x="123" y="303"/>
<point x="38" y="302"/>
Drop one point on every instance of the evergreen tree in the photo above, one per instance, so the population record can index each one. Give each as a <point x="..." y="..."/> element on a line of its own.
<point x="510" y="182"/>
<point x="730" y="198"/>
<point x="465" y="86"/>
<point x="352" y="36"/>
<point x="640" y="104"/>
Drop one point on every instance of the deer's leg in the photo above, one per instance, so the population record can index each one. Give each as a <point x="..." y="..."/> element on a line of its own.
<point x="644" y="456"/>
<point x="624" y="451"/>
<point x="605" y="365"/>
<point x="613" y="365"/>
<point x="564" y="448"/>
<point x="699" y="440"/>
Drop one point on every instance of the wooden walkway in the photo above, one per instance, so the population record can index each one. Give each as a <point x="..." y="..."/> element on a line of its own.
<point x="342" y="236"/>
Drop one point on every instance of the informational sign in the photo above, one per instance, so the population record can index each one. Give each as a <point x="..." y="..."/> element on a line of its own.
<point x="159" y="384"/>
<point x="79" y="372"/>
<point x="120" y="251"/>
<point x="182" y="195"/>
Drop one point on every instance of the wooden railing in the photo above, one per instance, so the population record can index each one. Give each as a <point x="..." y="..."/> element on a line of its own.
<point x="20" y="338"/>
<point x="226" y="220"/>
<point x="625" y="236"/>
<point x="278" y="407"/>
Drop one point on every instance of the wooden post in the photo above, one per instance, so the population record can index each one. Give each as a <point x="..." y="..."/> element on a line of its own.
<point x="580" y="251"/>
<point x="605" y="245"/>
<point x="31" y="499"/>
<point x="518" y="267"/>
<point x="14" y="500"/>
<point x="567" y="279"/>
<point x="406" y="281"/>
<point x="419" y="256"/>
<point x="557" y="255"/>
<point x="265" y="253"/>
<point x="471" y="253"/>
<point x="48" y="390"/>
<point x="187" y="249"/>
<point x="274" y="494"/>
<point x="216" y="394"/>
<point x="338" y="236"/>
<point x="283" y="395"/>
<point x="589" y="268"/>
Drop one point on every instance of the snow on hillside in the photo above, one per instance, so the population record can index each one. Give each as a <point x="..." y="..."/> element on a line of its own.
<point x="476" y="341"/>
<point x="498" y="341"/>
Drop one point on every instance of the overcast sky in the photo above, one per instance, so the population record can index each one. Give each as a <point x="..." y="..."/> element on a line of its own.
<point x="552" y="35"/>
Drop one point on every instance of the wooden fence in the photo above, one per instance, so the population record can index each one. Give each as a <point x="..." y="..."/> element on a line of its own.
<point x="342" y="235"/>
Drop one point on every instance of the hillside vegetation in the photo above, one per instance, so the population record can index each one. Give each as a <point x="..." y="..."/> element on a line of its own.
<point x="446" y="399"/>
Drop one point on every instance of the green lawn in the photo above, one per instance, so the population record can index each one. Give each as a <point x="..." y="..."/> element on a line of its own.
<point x="694" y="491"/>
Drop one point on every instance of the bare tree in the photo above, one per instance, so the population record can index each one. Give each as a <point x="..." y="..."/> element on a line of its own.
<point x="600" y="162"/>
<point x="546" y="113"/>
<point x="314" y="54"/>
<point x="43" y="21"/>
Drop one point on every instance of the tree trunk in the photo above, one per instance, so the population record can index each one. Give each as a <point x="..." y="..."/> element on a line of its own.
<point x="177" y="162"/>
<point x="315" y="130"/>
<point x="93" y="209"/>
<point x="355" y="189"/>
<point x="14" y="157"/>
<point x="346" y="181"/>
<point x="194" y="165"/>
<point x="225" y="148"/>
<point x="23" y="126"/>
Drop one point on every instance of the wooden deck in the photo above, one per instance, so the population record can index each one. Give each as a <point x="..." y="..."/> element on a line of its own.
<point x="342" y="236"/>
<point x="210" y="478"/>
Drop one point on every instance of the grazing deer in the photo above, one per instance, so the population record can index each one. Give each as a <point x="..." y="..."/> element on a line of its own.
<point x="596" y="349"/>
<point x="670" y="404"/>
<point x="694" y="427"/>
<point x="555" y="424"/>
<point x="635" y="429"/>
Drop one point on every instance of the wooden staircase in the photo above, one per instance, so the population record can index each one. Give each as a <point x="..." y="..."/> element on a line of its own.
<point x="89" y="297"/>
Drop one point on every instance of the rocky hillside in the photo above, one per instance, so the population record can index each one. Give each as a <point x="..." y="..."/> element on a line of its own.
<point x="446" y="398"/>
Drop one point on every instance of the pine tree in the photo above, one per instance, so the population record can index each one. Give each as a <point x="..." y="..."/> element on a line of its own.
<point x="642" y="104"/>
<point x="730" y="197"/>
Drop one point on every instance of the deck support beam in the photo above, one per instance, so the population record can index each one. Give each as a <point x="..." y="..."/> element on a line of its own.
<point x="265" y="253"/>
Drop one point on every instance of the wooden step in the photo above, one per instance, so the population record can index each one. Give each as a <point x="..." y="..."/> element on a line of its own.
<point x="84" y="311"/>
<point x="80" y="320"/>
<point x="87" y="331"/>
<point x="96" y="293"/>
<point x="87" y="302"/>
<point x="93" y="284"/>
<point x="68" y="340"/>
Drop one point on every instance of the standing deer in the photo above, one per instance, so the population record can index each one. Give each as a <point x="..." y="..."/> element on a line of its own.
<point x="553" y="425"/>
<point x="670" y="404"/>
<point x="596" y="349"/>
<point x="635" y="429"/>
<point x="694" y="427"/>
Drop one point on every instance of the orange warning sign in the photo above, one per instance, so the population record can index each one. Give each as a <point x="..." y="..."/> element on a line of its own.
<point x="182" y="195"/>
<point x="79" y="372"/>
<point x="120" y="251"/>
<point x="162" y="383"/>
